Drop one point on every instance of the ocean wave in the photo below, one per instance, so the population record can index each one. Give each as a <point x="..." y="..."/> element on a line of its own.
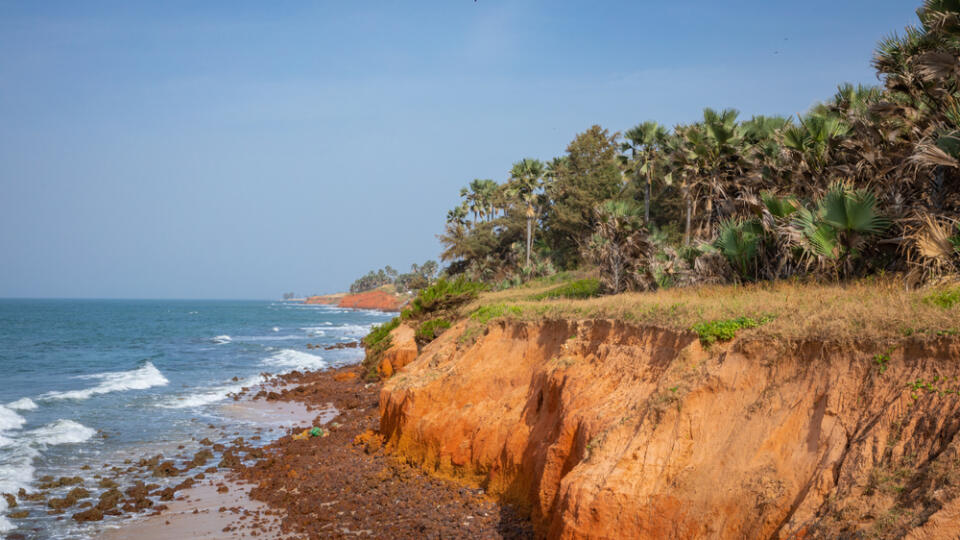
<point x="286" y="337"/>
<point x="10" y="420"/>
<point x="146" y="376"/>
<point x="18" y="454"/>
<point x="220" y="340"/>
<point x="209" y="395"/>
<point x="289" y="358"/>
<point x="61" y="432"/>
<point x="22" y="404"/>
<point x="315" y="331"/>
<point x="356" y="330"/>
<point x="5" y="524"/>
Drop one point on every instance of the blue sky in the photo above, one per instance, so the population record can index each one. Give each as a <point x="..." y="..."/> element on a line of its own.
<point x="243" y="149"/>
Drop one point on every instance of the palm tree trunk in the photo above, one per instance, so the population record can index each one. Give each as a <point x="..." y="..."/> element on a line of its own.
<point x="705" y="226"/>
<point x="646" y="198"/>
<point x="686" y="230"/>
<point x="529" y="237"/>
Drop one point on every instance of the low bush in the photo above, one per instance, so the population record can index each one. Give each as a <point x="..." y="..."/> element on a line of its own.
<point x="443" y="295"/>
<point x="431" y="329"/>
<point x="725" y="330"/>
<point x="946" y="298"/>
<point x="376" y="343"/>
<point x="485" y="314"/>
<point x="581" y="288"/>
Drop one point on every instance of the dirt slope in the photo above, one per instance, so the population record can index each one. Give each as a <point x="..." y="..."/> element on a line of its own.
<point x="606" y="430"/>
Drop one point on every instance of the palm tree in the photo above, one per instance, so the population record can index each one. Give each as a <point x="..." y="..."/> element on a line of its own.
<point x="478" y="197"/>
<point x="644" y="142"/>
<point x="458" y="215"/>
<point x="836" y="230"/>
<point x="813" y="146"/>
<point x="682" y="171"/>
<point x="620" y="246"/>
<point x="455" y="240"/>
<point x="763" y="151"/>
<point x="525" y="179"/>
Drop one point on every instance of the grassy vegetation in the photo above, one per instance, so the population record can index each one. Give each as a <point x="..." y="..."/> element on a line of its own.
<point x="486" y="313"/>
<point x="376" y="343"/>
<point x="945" y="298"/>
<point x="877" y="309"/>
<point x="429" y="330"/>
<point x="441" y="296"/>
<point x="581" y="288"/>
<point x="712" y="331"/>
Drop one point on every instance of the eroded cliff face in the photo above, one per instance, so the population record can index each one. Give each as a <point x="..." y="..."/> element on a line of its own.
<point x="606" y="430"/>
<point x="375" y="299"/>
<point x="403" y="350"/>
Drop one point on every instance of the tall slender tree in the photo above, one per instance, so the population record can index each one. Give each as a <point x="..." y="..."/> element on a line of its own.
<point x="526" y="177"/>
<point x="644" y="143"/>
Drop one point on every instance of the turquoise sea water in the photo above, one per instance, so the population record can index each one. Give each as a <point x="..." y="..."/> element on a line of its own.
<point x="85" y="382"/>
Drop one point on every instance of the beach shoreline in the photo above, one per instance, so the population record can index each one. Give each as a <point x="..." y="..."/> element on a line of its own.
<point x="337" y="484"/>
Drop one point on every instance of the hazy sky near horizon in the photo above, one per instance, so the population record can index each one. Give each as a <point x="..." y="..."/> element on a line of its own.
<point x="242" y="149"/>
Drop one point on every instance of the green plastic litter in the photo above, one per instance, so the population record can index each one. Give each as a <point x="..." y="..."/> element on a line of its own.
<point x="316" y="432"/>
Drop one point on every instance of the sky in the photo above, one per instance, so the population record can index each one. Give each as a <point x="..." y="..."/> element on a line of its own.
<point x="238" y="149"/>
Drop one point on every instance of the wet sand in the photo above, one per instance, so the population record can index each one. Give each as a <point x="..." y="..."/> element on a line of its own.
<point x="219" y="507"/>
<point x="203" y="512"/>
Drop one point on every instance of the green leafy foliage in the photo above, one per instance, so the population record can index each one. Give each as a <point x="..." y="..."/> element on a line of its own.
<point x="376" y="343"/>
<point x="780" y="207"/>
<point x="946" y="298"/>
<point x="485" y="314"/>
<point x="581" y="288"/>
<point x="443" y="295"/>
<point x="725" y="330"/>
<point x="620" y="246"/>
<point x="420" y="276"/>
<point x="739" y="241"/>
<point x="429" y="330"/>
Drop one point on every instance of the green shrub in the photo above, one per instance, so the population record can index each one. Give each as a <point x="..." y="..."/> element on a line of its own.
<point x="443" y="295"/>
<point x="429" y="330"/>
<point x="485" y="314"/>
<point x="380" y="332"/>
<point x="725" y="330"/>
<point x="552" y="279"/>
<point x="376" y="343"/>
<point x="581" y="288"/>
<point x="947" y="298"/>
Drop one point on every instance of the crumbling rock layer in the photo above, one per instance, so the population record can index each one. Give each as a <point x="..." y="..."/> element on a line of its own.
<point x="607" y="430"/>
<point x="403" y="350"/>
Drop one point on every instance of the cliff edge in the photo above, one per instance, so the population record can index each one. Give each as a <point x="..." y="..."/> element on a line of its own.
<point x="603" y="429"/>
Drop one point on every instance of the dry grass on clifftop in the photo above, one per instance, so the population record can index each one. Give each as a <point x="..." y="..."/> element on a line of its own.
<point x="876" y="309"/>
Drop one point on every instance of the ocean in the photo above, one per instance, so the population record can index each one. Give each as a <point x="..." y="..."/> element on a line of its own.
<point x="85" y="383"/>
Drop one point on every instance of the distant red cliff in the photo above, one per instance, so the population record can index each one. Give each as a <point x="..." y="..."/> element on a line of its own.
<point x="376" y="299"/>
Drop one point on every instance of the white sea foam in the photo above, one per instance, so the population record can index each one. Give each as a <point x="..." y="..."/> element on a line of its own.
<point x="10" y="420"/>
<point x="268" y="338"/>
<point x="289" y="358"/>
<point x="357" y="330"/>
<point x="276" y="329"/>
<point x="61" y="432"/>
<point x="315" y="331"/>
<point x="17" y="454"/>
<point x="22" y="404"/>
<point x="210" y="395"/>
<point x="220" y="340"/>
<point x="146" y="376"/>
<point x="5" y="524"/>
